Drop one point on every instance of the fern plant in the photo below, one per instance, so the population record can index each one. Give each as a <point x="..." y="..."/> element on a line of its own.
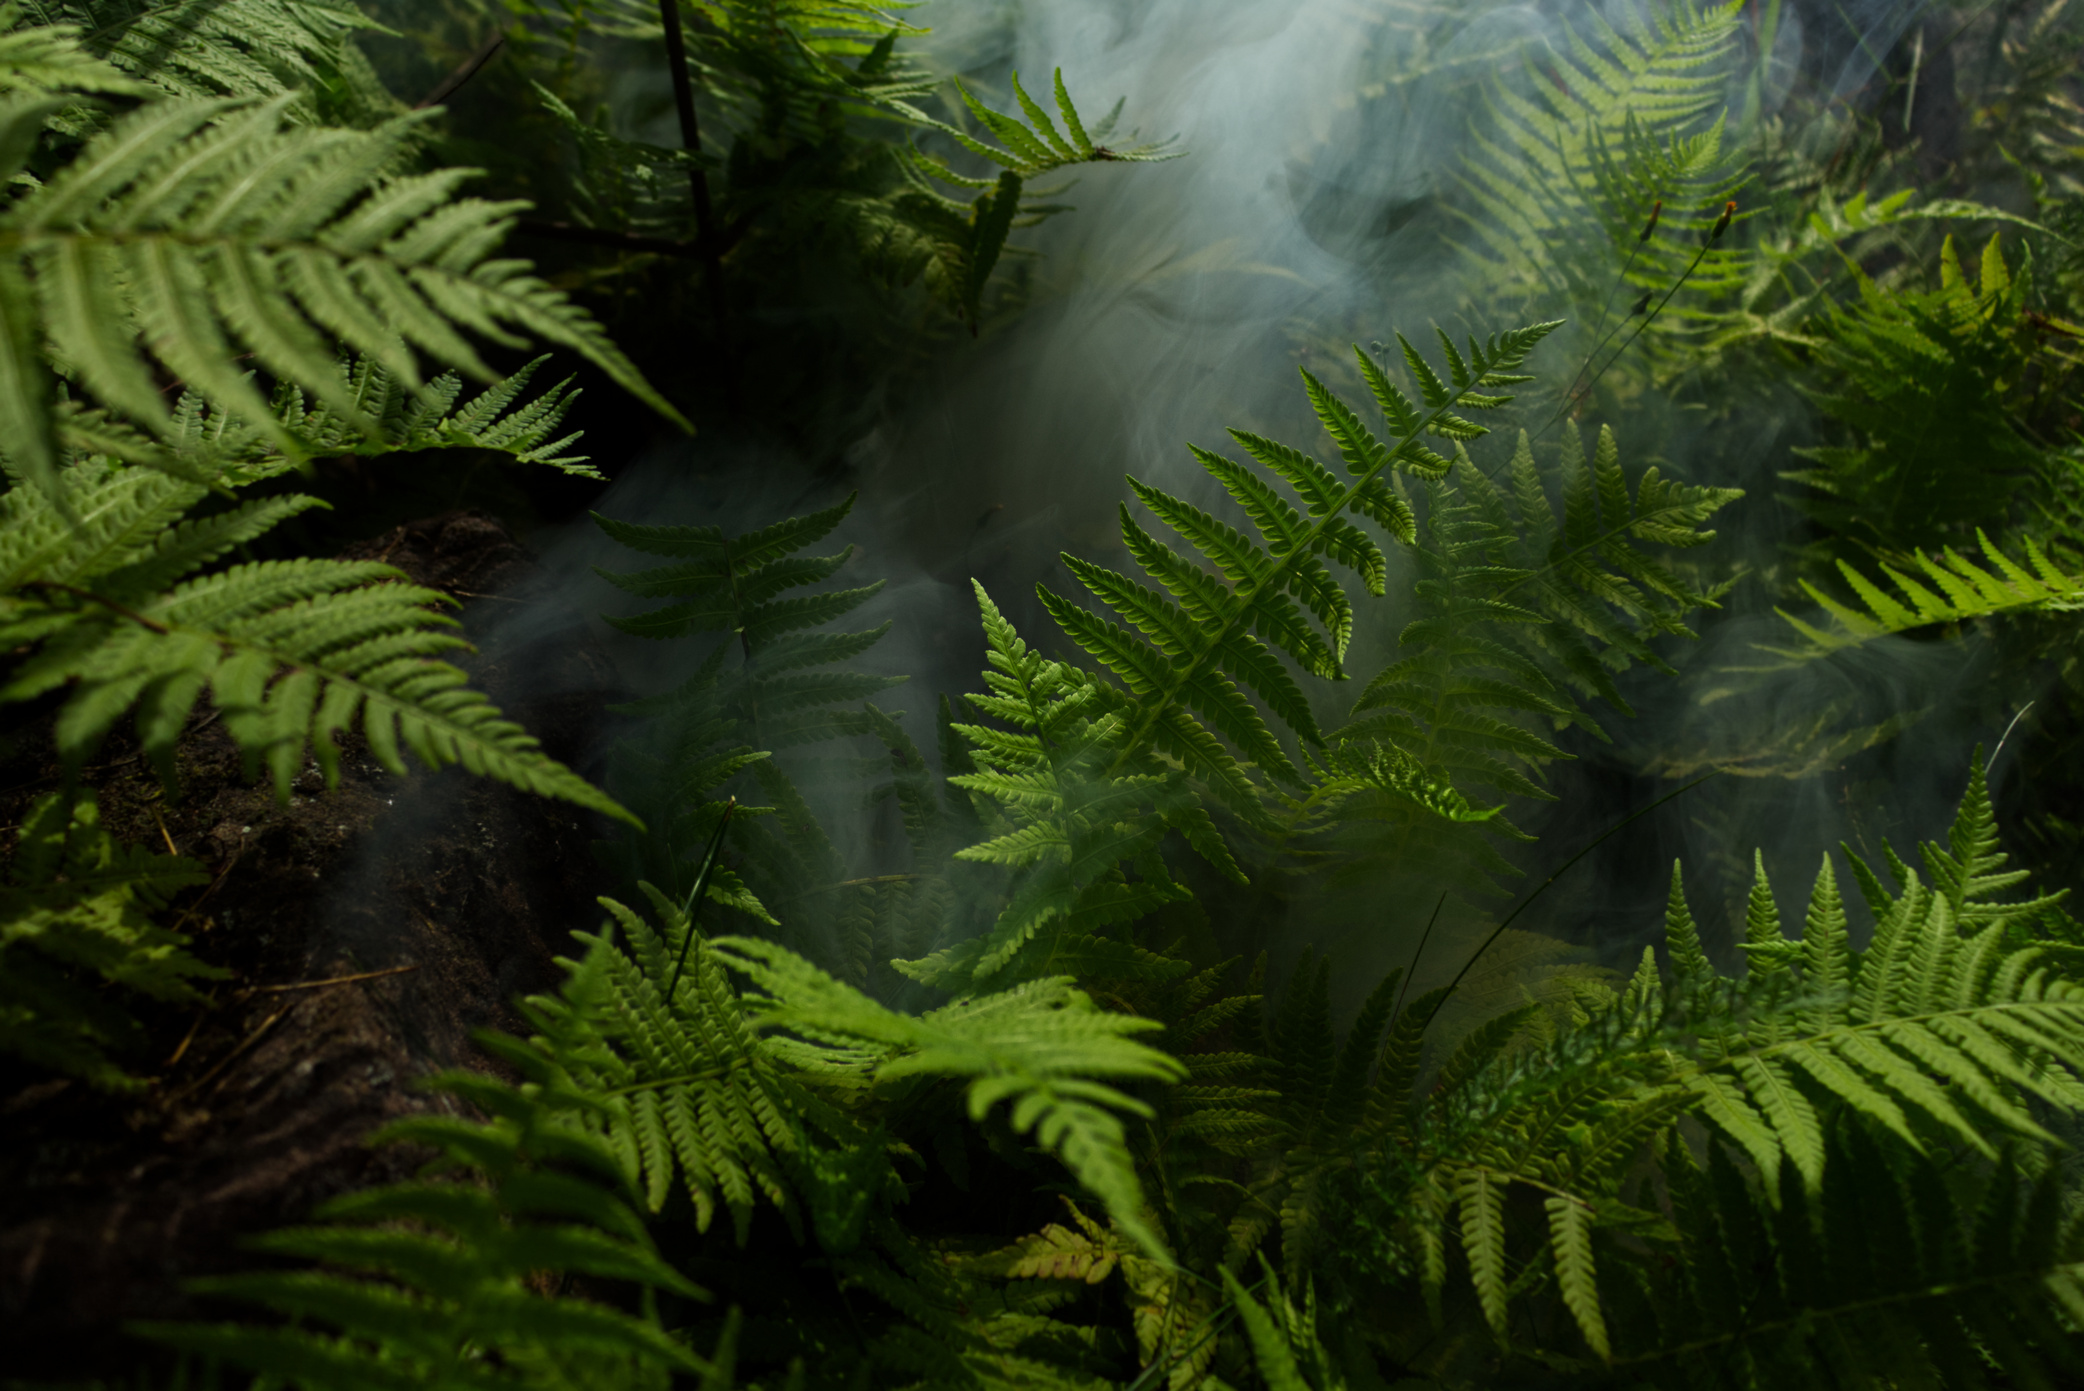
<point x="1196" y="654"/>
<point x="77" y="909"/>
<point x="204" y="49"/>
<point x="1952" y="1028"/>
<point x="1525" y="610"/>
<point x="208" y="228"/>
<point x="120" y="609"/>
<point x="1918" y="380"/>
<point x="720" y="728"/>
<point x="457" y="1279"/>
<point x="1603" y="182"/>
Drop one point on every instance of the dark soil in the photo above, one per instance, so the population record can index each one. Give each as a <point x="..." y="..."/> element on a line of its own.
<point x="448" y="895"/>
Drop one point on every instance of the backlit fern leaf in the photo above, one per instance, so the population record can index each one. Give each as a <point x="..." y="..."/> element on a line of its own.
<point x="1942" y="1028"/>
<point x="685" y="1086"/>
<point x="1043" y="1047"/>
<point x="407" y="421"/>
<point x="1619" y="123"/>
<point x="1068" y="825"/>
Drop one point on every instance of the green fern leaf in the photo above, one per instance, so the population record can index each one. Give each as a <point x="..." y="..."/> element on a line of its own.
<point x="1482" y="1203"/>
<point x="206" y="229"/>
<point x="1570" y="1235"/>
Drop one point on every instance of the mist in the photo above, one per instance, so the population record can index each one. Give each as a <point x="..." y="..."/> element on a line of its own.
<point x="1179" y="299"/>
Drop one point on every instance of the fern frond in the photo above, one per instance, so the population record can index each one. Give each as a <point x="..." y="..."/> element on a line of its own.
<point x="76" y="908"/>
<point x="1071" y="825"/>
<point x="292" y="651"/>
<point x="208" y="229"/>
<point x="1042" y="1047"/>
<point x="47" y="56"/>
<point x="1194" y="655"/>
<point x="201" y="49"/>
<point x="1944" y="587"/>
<point x="432" y="1280"/>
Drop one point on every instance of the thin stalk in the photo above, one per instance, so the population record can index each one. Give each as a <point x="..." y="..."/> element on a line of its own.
<point x="1412" y="969"/>
<point x="1604" y="836"/>
<point x="1642" y="239"/>
<point x="691" y="139"/>
<point x="694" y="898"/>
<point x="1570" y="403"/>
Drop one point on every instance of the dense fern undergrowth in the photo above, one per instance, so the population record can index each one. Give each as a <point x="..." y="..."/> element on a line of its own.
<point x="1067" y="1077"/>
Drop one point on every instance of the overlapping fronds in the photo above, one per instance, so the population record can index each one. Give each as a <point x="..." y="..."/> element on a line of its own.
<point x="39" y="59"/>
<point x="1042" y="1047"/>
<point x="1197" y="653"/>
<point x="121" y="613"/>
<point x="685" y="1086"/>
<point x="1921" y="380"/>
<point x="1943" y="1031"/>
<point x="74" y="920"/>
<point x="776" y="683"/>
<point x="201" y="49"/>
<point x="1898" y="1270"/>
<point x="1604" y="180"/>
<point x="207" y="229"/>
<point x="1067" y="826"/>
<point x="456" y="1279"/>
<point x="1527" y="607"/>
<point x="1950" y="1035"/>
<point x="407" y="421"/>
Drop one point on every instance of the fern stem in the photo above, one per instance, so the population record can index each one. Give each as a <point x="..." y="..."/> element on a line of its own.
<point x="1571" y="402"/>
<point x="110" y="604"/>
<point x="1634" y="253"/>
<point x="1604" y="836"/>
<point x="694" y="898"/>
<point x="1412" y="970"/>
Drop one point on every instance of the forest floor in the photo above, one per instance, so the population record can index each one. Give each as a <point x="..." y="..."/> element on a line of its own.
<point x="367" y="931"/>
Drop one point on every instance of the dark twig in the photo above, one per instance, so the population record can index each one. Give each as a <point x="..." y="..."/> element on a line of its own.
<point x="465" y="70"/>
<point x="1608" y="834"/>
<point x="1412" y="970"/>
<point x="716" y="845"/>
<point x="1571" y="402"/>
<point x="599" y="236"/>
<point x="691" y="139"/>
<point x="332" y="980"/>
